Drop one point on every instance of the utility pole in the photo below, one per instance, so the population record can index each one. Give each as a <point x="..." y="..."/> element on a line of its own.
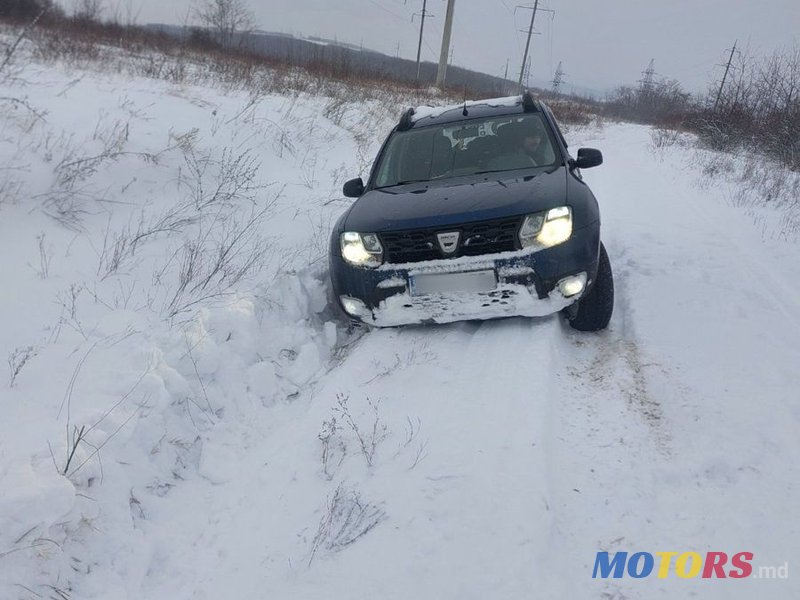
<point x="527" y="46"/>
<point x="441" y="74"/>
<point x="725" y="76"/>
<point x="528" y="71"/>
<point x="421" y="27"/>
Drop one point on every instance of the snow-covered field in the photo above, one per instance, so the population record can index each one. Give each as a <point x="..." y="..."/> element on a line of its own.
<point x="182" y="417"/>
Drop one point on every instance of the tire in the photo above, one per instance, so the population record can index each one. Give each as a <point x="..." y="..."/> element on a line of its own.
<point x="593" y="311"/>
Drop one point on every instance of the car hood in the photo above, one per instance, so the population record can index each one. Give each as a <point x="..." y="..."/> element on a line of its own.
<point x="439" y="204"/>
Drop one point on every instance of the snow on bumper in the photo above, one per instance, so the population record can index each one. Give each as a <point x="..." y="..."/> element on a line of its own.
<point x="394" y="295"/>
<point x="504" y="301"/>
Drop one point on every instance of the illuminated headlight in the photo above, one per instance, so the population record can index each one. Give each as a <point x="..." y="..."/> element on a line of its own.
<point x="573" y="285"/>
<point x="361" y="249"/>
<point x="546" y="229"/>
<point x="353" y="306"/>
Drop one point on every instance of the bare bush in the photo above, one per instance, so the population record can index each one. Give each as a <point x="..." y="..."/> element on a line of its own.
<point x="230" y="250"/>
<point x="758" y="108"/>
<point x="66" y="199"/>
<point x="334" y="448"/>
<point x="221" y="181"/>
<point x="663" y="137"/>
<point x="412" y="434"/>
<point x="10" y="188"/>
<point x="661" y="102"/>
<point x="127" y="13"/>
<point x="419" y="354"/>
<point x="17" y="360"/>
<point x="45" y="257"/>
<point x="370" y="437"/>
<point x="119" y="247"/>
<point x="347" y="518"/>
<point x="89" y="10"/>
<point x="573" y="111"/>
<point x="225" y="19"/>
<point x="68" y="300"/>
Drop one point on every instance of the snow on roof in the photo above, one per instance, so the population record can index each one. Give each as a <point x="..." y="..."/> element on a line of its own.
<point x="422" y="112"/>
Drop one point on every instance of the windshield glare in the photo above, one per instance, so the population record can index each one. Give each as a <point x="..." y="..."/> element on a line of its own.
<point x="466" y="148"/>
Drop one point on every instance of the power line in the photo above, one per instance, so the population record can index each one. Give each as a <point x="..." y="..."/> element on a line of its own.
<point x="394" y="14"/>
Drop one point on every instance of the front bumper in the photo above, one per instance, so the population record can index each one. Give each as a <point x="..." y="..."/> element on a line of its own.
<point x="526" y="285"/>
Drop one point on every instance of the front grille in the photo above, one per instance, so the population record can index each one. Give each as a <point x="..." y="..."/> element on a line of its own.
<point x="483" y="237"/>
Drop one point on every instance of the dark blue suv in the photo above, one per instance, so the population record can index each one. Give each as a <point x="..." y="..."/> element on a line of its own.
<point x="473" y="211"/>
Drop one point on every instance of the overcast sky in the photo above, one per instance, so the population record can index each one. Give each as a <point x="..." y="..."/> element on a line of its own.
<point x="601" y="44"/>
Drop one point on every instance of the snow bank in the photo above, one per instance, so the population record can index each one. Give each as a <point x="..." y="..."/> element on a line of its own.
<point x="165" y="232"/>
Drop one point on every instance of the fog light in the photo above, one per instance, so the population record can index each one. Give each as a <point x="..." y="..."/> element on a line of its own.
<point x="573" y="285"/>
<point x="353" y="306"/>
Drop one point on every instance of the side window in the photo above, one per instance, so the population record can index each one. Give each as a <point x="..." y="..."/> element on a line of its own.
<point x="555" y="124"/>
<point x="387" y="170"/>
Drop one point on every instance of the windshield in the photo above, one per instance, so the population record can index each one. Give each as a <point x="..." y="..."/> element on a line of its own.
<point x="466" y="148"/>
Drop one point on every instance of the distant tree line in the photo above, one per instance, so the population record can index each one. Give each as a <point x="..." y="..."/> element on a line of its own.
<point x="758" y="107"/>
<point x="339" y="59"/>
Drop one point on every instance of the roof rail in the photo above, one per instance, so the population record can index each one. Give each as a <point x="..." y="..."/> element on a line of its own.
<point x="405" y="120"/>
<point x="529" y="102"/>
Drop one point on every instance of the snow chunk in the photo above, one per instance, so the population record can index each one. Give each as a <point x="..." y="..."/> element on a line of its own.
<point x="422" y="112"/>
<point x="31" y="500"/>
<point x="262" y="380"/>
<point x="306" y="365"/>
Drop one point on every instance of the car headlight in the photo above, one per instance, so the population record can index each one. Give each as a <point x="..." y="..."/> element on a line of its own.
<point x="546" y="229"/>
<point x="361" y="249"/>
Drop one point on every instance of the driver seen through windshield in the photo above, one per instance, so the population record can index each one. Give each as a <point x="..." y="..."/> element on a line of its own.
<point x="480" y="146"/>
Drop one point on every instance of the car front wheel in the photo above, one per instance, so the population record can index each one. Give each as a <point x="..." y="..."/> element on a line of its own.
<point x="593" y="311"/>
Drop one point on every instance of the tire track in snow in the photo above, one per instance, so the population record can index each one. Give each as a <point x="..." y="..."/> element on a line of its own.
<point x="478" y="505"/>
<point x="621" y="360"/>
<point x="607" y="434"/>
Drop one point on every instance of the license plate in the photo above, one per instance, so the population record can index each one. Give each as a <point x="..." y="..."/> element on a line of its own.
<point x="442" y="283"/>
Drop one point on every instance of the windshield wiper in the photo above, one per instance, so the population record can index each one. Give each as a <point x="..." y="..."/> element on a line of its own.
<point x="499" y="170"/>
<point x="489" y="171"/>
<point x="404" y="182"/>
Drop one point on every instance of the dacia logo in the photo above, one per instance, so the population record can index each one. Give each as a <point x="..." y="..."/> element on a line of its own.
<point x="448" y="241"/>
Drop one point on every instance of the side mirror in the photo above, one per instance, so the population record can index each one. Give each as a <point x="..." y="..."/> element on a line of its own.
<point x="588" y="158"/>
<point x="353" y="188"/>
